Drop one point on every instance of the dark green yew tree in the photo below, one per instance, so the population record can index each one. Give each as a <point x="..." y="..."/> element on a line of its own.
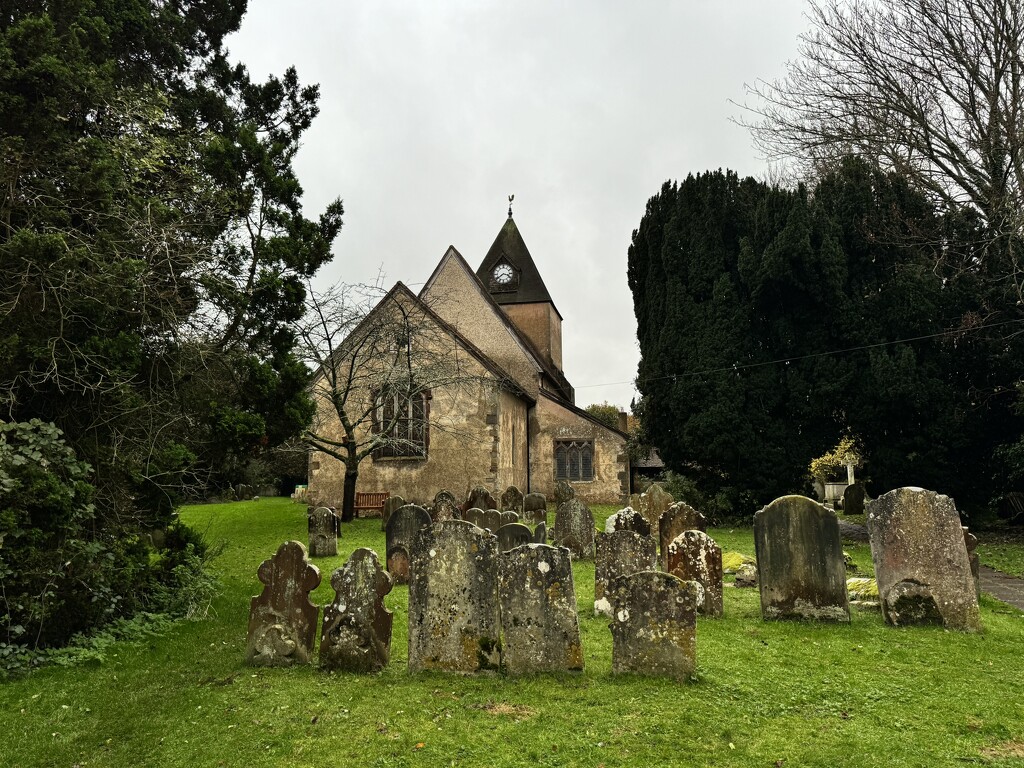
<point x="765" y="318"/>
<point x="153" y="253"/>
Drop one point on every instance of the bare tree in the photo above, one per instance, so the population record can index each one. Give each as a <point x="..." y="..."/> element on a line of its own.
<point x="933" y="89"/>
<point x="380" y="358"/>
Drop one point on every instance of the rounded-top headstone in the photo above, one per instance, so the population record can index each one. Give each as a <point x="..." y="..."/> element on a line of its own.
<point x="563" y="492"/>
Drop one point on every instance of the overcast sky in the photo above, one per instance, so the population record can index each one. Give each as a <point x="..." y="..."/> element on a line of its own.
<point x="432" y="113"/>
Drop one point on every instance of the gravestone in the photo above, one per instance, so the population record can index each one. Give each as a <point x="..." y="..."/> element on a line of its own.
<point x="356" y="635"/>
<point x="563" y="492"/>
<point x="853" y="499"/>
<point x="654" y="625"/>
<point x="800" y="561"/>
<point x="746" y="576"/>
<point x="540" y="534"/>
<point x="484" y="518"/>
<point x="627" y="519"/>
<point x="619" y="553"/>
<point x="323" y="525"/>
<point x="694" y="556"/>
<point x="391" y="504"/>
<point x="400" y="537"/>
<point x="445" y="507"/>
<point x="971" y="542"/>
<point x="574" y="529"/>
<point x="921" y="562"/>
<point x="635" y="500"/>
<point x="513" y="535"/>
<point x="535" y="508"/>
<point x="537" y="603"/>
<point x="480" y="498"/>
<point x="453" y="605"/>
<point x="282" y="620"/>
<point x="679" y="517"/>
<point x="512" y="500"/>
<point x="508" y="517"/>
<point x="654" y="503"/>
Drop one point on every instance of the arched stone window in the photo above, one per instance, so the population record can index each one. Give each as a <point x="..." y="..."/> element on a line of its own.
<point x="574" y="460"/>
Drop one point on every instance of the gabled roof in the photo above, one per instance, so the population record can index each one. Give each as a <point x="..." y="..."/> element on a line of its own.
<point x="545" y="367"/>
<point x="509" y="246"/>
<point x="584" y="414"/>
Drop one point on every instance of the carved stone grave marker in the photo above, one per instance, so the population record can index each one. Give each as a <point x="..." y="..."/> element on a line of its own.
<point x="356" y="634"/>
<point x="679" y="517"/>
<point x="512" y="500"/>
<point x="574" y="529"/>
<point x="513" y="535"/>
<point x="535" y="508"/>
<point x="619" y="553"/>
<point x="627" y="519"/>
<point x="694" y="556"/>
<point x="282" y="620"/>
<point x="324" y="525"/>
<point x="400" y="536"/>
<point x="391" y="505"/>
<point x="445" y="507"/>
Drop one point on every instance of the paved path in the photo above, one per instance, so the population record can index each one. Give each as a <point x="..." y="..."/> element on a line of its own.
<point x="1002" y="586"/>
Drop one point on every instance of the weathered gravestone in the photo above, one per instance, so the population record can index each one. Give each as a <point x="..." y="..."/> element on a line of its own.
<point x="971" y="542"/>
<point x="563" y="492"/>
<point x="400" y="538"/>
<point x="508" y="517"/>
<point x="535" y="508"/>
<point x="800" y="561"/>
<point x="483" y="518"/>
<point x="540" y="533"/>
<point x="627" y="519"/>
<point x="694" y="556"/>
<point x="619" y="553"/>
<point x="679" y="517"/>
<point x="391" y="505"/>
<point x="324" y="525"/>
<point x="479" y="498"/>
<point x="512" y="500"/>
<point x="574" y="529"/>
<point x="853" y="499"/>
<point x="537" y="602"/>
<point x="921" y="562"/>
<point x="513" y="535"/>
<point x="635" y="500"/>
<point x="445" y="507"/>
<point x="282" y="620"/>
<point x="653" y="505"/>
<point x="654" y="625"/>
<point x="356" y="634"/>
<point x="453" y="606"/>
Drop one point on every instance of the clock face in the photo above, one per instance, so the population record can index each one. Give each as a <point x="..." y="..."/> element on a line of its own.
<point x="503" y="274"/>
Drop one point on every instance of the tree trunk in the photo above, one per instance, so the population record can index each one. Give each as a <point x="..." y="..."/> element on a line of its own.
<point x="348" y="504"/>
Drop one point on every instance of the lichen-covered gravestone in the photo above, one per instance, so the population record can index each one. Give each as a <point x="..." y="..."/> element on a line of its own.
<point x="654" y="625"/>
<point x="619" y="553"/>
<point x="627" y="519"/>
<point x="400" y="537"/>
<point x="563" y="492"/>
<point x="508" y="517"/>
<point x="282" y="620"/>
<point x="483" y="518"/>
<point x="921" y="561"/>
<point x="480" y="498"/>
<point x="445" y="507"/>
<point x="653" y="505"/>
<point x="356" y="634"/>
<point x="540" y="534"/>
<point x="537" y="600"/>
<point x="535" y="508"/>
<point x="574" y="529"/>
<point x="391" y="505"/>
<point x="513" y="535"/>
<point x="679" y="517"/>
<point x="694" y="556"/>
<point x="512" y="500"/>
<point x="453" y="604"/>
<point x="800" y="561"/>
<point x="323" y="525"/>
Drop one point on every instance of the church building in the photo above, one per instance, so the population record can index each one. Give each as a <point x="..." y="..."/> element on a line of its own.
<point x="513" y="421"/>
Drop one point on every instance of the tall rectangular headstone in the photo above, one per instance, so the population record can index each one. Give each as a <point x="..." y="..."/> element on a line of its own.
<point x="453" y="604"/>
<point x="574" y="529"/>
<point x="537" y="599"/>
<point x="921" y="562"/>
<point x="654" y="625"/>
<point x="400" y="538"/>
<point x="619" y="553"/>
<point x="679" y="517"/>
<point x="323" y="525"/>
<point x="282" y="620"/>
<point x="694" y="556"/>
<point x="801" y="571"/>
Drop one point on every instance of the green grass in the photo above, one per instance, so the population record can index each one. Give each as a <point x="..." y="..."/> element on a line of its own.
<point x="1002" y="550"/>
<point x="767" y="693"/>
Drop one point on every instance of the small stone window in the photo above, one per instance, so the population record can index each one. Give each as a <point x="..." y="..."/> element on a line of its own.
<point x="401" y="421"/>
<point x="574" y="460"/>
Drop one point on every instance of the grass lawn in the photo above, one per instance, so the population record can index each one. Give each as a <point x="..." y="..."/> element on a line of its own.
<point x="767" y="694"/>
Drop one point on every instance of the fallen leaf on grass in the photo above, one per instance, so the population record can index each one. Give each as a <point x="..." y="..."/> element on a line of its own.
<point x="419" y="745"/>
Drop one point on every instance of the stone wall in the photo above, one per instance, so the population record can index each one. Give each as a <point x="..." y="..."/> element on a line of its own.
<point x="511" y="449"/>
<point x="541" y="324"/>
<point x="553" y="421"/>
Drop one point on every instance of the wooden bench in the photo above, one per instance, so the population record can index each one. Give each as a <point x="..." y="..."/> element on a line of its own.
<point x="371" y="502"/>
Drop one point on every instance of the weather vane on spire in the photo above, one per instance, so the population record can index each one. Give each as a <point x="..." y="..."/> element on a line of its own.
<point x="510" y="199"/>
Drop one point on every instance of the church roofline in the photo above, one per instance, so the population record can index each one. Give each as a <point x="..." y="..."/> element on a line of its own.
<point x="510" y="246"/>
<point x="581" y="412"/>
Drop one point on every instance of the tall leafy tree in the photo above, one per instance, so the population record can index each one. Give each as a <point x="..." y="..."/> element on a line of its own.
<point x="153" y="249"/>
